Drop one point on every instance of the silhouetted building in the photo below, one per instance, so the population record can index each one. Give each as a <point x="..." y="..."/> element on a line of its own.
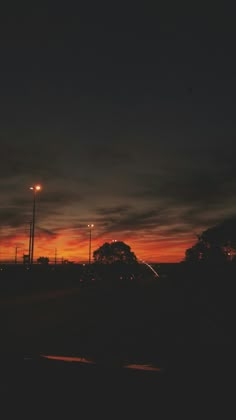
<point x="26" y="259"/>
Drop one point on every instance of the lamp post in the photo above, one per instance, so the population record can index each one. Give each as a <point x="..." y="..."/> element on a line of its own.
<point x="90" y="240"/>
<point x="30" y="240"/>
<point x="35" y="189"/>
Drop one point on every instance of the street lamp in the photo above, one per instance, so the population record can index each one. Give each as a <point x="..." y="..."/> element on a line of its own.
<point x="90" y="239"/>
<point x="35" y="189"/>
<point x="30" y="240"/>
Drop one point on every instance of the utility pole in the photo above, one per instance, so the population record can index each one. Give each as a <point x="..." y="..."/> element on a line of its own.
<point x="16" y="254"/>
<point x="55" y="260"/>
<point x="90" y="241"/>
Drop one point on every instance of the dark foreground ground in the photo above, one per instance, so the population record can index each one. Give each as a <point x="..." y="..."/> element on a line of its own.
<point x="49" y="390"/>
<point x="183" y="323"/>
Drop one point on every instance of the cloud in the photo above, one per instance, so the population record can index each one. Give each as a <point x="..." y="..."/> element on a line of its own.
<point x="13" y="216"/>
<point x="46" y="233"/>
<point x="134" y="220"/>
<point x="185" y="187"/>
<point x="154" y="188"/>
<point x="108" y="211"/>
<point x="109" y="155"/>
<point x="22" y="158"/>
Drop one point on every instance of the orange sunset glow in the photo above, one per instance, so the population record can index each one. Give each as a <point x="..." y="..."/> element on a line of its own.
<point x="65" y="219"/>
<point x="74" y="246"/>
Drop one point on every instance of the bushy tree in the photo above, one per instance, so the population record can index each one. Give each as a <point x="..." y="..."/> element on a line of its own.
<point x="222" y="235"/>
<point x="43" y="260"/>
<point x="114" y="252"/>
<point x="207" y="253"/>
<point x="216" y="244"/>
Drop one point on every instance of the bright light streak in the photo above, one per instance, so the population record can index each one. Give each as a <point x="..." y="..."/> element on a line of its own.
<point x="151" y="268"/>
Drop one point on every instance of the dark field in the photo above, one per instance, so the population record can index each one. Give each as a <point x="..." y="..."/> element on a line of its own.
<point x="181" y="322"/>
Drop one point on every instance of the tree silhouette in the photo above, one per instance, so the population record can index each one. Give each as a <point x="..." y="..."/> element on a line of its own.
<point x="216" y="244"/>
<point x="197" y="252"/>
<point x="203" y="251"/>
<point x="222" y="235"/>
<point x="114" y="252"/>
<point x="43" y="260"/>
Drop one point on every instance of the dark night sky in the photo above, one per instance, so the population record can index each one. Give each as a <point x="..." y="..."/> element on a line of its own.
<point x="126" y="117"/>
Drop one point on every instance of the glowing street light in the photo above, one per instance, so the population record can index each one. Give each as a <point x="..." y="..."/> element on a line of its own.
<point x="35" y="189"/>
<point x="90" y="240"/>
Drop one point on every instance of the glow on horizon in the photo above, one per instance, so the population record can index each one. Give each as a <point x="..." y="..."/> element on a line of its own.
<point x="76" y="248"/>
